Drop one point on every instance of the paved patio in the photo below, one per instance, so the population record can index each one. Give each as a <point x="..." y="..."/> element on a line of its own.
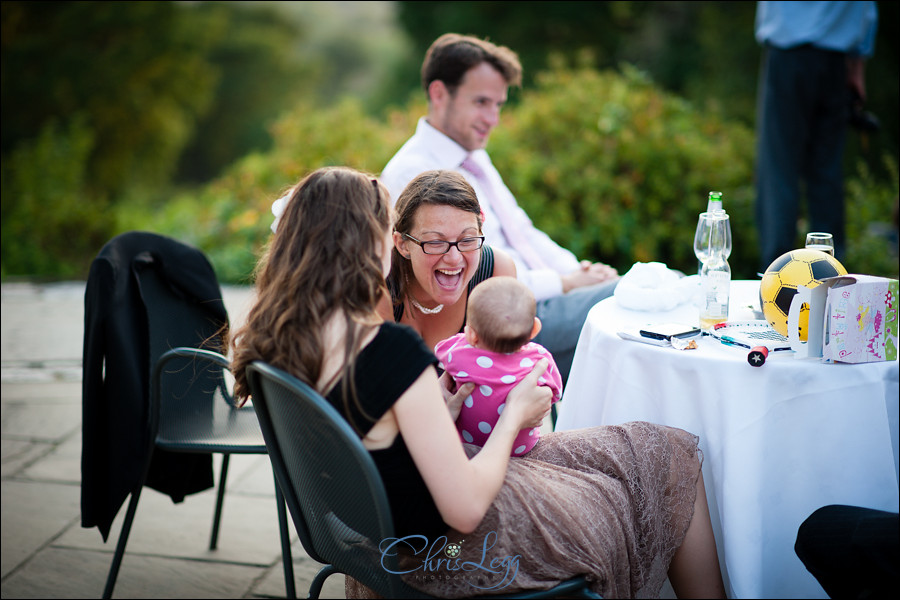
<point x="45" y="551"/>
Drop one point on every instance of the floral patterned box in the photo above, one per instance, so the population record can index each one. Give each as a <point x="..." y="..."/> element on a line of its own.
<point x="861" y="321"/>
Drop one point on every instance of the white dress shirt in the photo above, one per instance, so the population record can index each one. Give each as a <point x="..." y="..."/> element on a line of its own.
<point x="430" y="149"/>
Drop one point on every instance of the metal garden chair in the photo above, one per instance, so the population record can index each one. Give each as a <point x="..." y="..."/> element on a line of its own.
<point x="333" y="490"/>
<point x="190" y="409"/>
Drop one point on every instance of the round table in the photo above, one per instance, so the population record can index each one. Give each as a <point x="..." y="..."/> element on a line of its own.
<point x="778" y="441"/>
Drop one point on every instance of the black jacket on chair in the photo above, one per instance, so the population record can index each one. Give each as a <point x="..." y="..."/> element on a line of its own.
<point x="116" y="377"/>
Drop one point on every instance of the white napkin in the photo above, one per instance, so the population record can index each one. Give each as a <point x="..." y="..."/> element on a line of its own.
<point x="654" y="287"/>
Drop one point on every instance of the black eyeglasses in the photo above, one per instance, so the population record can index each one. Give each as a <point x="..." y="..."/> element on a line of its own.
<point x="467" y="244"/>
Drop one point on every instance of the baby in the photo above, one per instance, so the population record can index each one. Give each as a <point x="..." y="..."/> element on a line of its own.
<point x="495" y="352"/>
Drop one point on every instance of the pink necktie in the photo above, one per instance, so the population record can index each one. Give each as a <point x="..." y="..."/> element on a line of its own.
<point x="504" y="211"/>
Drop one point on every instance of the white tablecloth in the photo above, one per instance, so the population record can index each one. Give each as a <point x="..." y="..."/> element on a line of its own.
<point x="779" y="441"/>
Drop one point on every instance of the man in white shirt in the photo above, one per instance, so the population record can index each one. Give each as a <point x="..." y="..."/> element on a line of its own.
<point x="466" y="80"/>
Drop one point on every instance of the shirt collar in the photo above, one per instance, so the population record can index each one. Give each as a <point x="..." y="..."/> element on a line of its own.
<point x="444" y="147"/>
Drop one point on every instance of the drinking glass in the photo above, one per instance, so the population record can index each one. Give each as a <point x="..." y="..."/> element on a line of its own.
<point x="705" y="226"/>
<point x="819" y="240"/>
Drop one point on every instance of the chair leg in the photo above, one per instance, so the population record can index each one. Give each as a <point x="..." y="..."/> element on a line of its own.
<point x="220" y="498"/>
<point x="315" y="587"/>
<point x="286" y="557"/>
<point x="123" y="540"/>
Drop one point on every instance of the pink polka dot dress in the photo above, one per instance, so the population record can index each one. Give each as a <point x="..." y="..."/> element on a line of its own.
<point x="494" y="375"/>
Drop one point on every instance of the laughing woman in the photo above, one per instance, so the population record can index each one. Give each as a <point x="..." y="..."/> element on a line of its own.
<point x="439" y="256"/>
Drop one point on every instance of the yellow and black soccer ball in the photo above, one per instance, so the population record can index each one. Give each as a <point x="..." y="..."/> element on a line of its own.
<point x="780" y="282"/>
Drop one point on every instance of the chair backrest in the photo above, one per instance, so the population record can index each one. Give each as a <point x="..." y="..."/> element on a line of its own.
<point x="193" y="394"/>
<point x="330" y="482"/>
<point x="122" y="341"/>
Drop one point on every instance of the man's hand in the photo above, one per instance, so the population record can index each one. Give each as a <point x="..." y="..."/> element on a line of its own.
<point x="856" y="78"/>
<point x="589" y="274"/>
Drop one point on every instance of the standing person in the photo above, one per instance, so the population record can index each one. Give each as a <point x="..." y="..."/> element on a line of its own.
<point x="466" y="80"/>
<point x="812" y="70"/>
<point x="496" y="352"/>
<point x="623" y="505"/>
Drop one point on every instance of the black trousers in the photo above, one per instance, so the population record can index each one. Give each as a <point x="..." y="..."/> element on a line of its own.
<point x="853" y="552"/>
<point x="801" y="125"/>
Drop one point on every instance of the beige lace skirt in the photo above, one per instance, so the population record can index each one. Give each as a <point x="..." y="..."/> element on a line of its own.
<point x="611" y="503"/>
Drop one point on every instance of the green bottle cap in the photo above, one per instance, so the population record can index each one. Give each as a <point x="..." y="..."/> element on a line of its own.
<point x="715" y="202"/>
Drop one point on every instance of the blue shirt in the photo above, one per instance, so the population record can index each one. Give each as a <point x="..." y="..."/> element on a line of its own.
<point x="841" y="26"/>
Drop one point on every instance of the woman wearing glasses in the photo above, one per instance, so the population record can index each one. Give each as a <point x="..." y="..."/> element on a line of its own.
<point x="439" y="255"/>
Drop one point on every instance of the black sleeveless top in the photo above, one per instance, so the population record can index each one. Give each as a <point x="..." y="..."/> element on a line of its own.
<point x="485" y="271"/>
<point x="385" y="369"/>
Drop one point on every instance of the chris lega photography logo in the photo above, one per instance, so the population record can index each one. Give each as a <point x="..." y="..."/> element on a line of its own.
<point x="441" y="560"/>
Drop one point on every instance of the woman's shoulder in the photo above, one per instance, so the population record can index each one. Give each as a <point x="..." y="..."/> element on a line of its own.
<point x="390" y="363"/>
<point x="396" y="340"/>
<point x="503" y="264"/>
<point x="391" y="331"/>
<point x="494" y="262"/>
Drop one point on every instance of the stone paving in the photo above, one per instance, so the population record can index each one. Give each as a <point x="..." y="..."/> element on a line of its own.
<point x="45" y="551"/>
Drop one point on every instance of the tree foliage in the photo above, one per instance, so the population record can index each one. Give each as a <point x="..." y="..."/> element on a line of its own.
<point x="259" y="77"/>
<point x="690" y="48"/>
<point x="605" y="161"/>
<point x="135" y="72"/>
<point x="705" y="52"/>
<point x="230" y="217"/>
<point x="148" y="84"/>
<point x="98" y="98"/>
<point x="50" y="228"/>
<point x="110" y="108"/>
<point x="618" y="169"/>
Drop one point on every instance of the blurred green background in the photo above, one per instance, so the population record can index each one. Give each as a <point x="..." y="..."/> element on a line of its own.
<point x="190" y="118"/>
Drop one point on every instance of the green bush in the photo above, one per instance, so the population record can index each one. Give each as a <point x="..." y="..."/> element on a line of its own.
<point x="606" y="162"/>
<point x="50" y="219"/>
<point x="872" y="222"/>
<point x="617" y="170"/>
<point x="230" y="218"/>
